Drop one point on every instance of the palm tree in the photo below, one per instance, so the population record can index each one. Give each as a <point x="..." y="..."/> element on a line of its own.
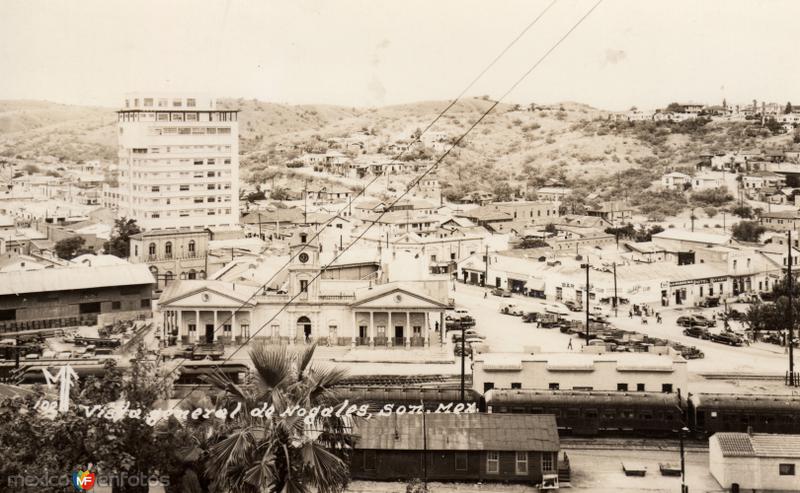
<point x="281" y="454"/>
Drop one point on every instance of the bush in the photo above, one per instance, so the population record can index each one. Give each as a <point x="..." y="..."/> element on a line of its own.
<point x="743" y="211"/>
<point x="712" y="197"/>
<point x="749" y="231"/>
<point x="710" y="211"/>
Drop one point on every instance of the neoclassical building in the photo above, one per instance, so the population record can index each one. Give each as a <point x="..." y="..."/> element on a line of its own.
<point x="306" y="308"/>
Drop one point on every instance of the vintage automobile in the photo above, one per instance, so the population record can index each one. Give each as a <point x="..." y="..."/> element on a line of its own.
<point x="698" y="332"/>
<point x="501" y="293"/>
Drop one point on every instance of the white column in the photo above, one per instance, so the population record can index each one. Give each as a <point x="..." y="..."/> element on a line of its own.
<point x="355" y="329"/>
<point x="371" y="329"/>
<point x="180" y="328"/>
<point x="441" y="327"/>
<point x="426" y="329"/>
<point x="233" y="324"/>
<point x="407" y="330"/>
<point x="215" y="325"/>
<point x="196" y="325"/>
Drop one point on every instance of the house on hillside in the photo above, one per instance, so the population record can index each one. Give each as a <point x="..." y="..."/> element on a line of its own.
<point x="706" y="182"/>
<point x="614" y="211"/>
<point x="553" y="194"/>
<point x="758" y="181"/>
<point x="676" y="180"/>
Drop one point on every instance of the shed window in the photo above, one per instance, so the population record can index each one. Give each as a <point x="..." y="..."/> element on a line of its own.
<point x="522" y="463"/>
<point x="461" y="461"/>
<point x="548" y="462"/>
<point x="786" y="469"/>
<point x="622" y="387"/>
<point x="492" y="462"/>
<point x="369" y="460"/>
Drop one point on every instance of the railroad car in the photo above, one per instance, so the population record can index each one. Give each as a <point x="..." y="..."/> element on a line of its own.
<point x="377" y="397"/>
<point x="192" y="374"/>
<point x="594" y="412"/>
<point x="712" y="413"/>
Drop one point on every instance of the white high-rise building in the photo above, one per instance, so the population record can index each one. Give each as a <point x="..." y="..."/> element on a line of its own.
<point x="178" y="162"/>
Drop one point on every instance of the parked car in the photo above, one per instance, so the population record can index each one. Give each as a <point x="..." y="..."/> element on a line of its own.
<point x="501" y="292"/>
<point x="511" y="309"/>
<point x="697" y="332"/>
<point x="457" y="350"/>
<point x="695" y="320"/>
<point x="709" y="302"/>
<point x="531" y="317"/>
<point x="473" y="333"/>
<point x="573" y="306"/>
<point x="728" y="338"/>
<point x="457" y="314"/>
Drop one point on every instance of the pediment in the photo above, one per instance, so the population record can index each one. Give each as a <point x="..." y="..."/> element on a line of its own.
<point x="400" y="299"/>
<point x="207" y="298"/>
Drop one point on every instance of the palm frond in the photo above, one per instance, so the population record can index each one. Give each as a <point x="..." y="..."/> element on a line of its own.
<point x="273" y="364"/>
<point x="327" y="471"/>
<point x="304" y="360"/>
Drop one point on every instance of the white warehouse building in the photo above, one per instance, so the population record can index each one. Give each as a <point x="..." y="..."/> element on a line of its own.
<point x="178" y="162"/>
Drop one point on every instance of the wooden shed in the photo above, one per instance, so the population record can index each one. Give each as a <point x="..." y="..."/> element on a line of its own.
<point x="457" y="447"/>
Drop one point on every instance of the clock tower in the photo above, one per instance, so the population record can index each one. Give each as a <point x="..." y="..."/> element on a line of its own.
<point x="304" y="266"/>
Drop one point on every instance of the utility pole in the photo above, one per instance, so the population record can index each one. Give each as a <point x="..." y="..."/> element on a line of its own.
<point x="486" y="269"/>
<point x="463" y="355"/>
<point x="424" y="444"/>
<point x="305" y="203"/>
<point x="684" y="488"/>
<point x="789" y="283"/>
<point x="586" y="266"/>
<point x="260" y="234"/>
<point x="616" y="301"/>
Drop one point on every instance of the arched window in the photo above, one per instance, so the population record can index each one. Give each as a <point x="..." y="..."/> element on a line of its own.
<point x="154" y="270"/>
<point x="201" y="275"/>
<point x="183" y="275"/>
<point x="168" y="249"/>
<point x="151" y="249"/>
<point x="191" y="248"/>
<point x="192" y="274"/>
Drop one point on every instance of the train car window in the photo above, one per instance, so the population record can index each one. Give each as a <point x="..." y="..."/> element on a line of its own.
<point x="502" y="409"/>
<point x="573" y="413"/>
<point x="518" y="410"/>
<point x="713" y="414"/>
<point x="537" y="410"/>
<point x="609" y="414"/>
<point x="658" y="416"/>
<point x="590" y="413"/>
<point x="646" y="415"/>
<point x="627" y="414"/>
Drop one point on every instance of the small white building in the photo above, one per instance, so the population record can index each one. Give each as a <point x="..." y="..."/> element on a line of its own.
<point x="660" y="371"/>
<point x="755" y="462"/>
<point x="675" y="180"/>
<point x="706" y="182"/>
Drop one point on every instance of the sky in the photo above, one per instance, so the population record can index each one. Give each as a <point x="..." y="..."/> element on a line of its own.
<point x="379" y="52"/>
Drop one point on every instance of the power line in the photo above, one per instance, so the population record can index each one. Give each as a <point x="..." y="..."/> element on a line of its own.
<point x="374" y="179"/>
<point x="426" y="172"/>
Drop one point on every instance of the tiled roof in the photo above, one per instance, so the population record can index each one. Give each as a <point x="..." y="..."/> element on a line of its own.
<point x="519" y="432"/>
<point x="758" y="445"/>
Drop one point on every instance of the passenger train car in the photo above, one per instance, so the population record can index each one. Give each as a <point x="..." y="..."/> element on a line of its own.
<point x="711" y="413"/>
<point x="594" y="412"/>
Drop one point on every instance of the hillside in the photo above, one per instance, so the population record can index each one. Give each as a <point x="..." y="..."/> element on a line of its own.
<point x="513" y="148"/>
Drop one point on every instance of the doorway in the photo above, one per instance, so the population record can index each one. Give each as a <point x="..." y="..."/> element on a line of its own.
<point x="209" y="333"/>
<point x="398" y="334"/>
<point x="304" y="326"/>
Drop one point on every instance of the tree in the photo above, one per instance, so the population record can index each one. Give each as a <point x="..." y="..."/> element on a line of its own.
<point x="120" y="242"/>
<point x="674" y="108"/>
<point x="503" y="192"/>
<point x="743" y="211"/>
<point x="37" y="445"/>
<point x="530" y="242"/>
<point x="748" y="231"/>
<point x="788" y="108"/>
<point x="279" y="193"/>
<point x="71" y="247"/>
<point x="550" y="228"/>
<point x="281" y="453"/>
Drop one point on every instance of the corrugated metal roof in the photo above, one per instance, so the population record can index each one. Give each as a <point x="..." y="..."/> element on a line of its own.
<point x="758" y="445"/>
<point x="531" y="432"/>
<point x="101" y="276"/>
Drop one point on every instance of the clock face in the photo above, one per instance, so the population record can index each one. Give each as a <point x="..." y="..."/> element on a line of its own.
<point x="303" y="257"/>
